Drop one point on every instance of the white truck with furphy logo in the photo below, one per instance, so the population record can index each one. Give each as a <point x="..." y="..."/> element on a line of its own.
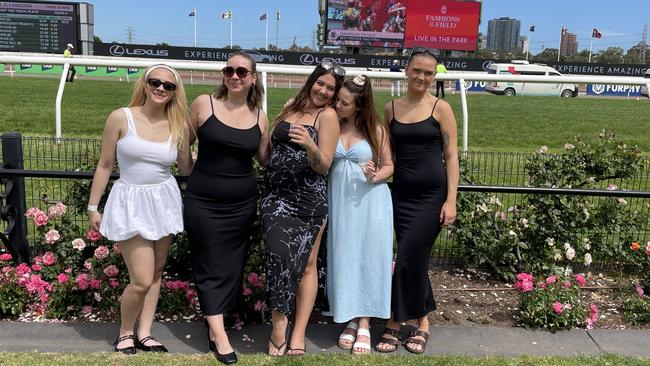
<point x="517" y="67"/>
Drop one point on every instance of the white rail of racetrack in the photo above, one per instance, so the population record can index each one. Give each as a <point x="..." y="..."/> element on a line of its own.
<point x="265" y="69"/>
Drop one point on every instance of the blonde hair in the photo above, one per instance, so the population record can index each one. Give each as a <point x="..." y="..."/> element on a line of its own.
<point x="176" y="109"/>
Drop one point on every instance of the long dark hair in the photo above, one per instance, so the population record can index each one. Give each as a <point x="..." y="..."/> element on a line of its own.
<point x="366" y="120"/>
<point x="301" y="101"/>
<point x="255" y="93"/>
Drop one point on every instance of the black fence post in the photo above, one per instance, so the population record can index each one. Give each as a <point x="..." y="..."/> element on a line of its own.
<point x="12" y="199"/>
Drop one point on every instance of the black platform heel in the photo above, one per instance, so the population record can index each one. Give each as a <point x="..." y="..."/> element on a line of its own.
<point x="126" y="350"/>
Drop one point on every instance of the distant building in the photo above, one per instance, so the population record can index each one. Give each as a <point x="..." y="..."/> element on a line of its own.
<point x="523" y="43"/>
<point x="569" y="45"/>
<point x="503" y="34"/>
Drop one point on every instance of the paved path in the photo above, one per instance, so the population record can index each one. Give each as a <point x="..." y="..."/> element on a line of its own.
<point x="191" y="338"/>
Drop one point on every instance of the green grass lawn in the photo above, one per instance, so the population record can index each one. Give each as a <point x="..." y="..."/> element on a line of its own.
<point x="49" y="359"/>
<point x="496" y="123"/>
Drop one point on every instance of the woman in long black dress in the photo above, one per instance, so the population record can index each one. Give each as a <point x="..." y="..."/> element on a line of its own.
<point x="294" y="207"/>
<point x="423" y="129"/>
<point x="221" y="198"/>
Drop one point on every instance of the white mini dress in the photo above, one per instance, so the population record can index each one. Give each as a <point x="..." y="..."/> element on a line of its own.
<point x="146" y="200"/>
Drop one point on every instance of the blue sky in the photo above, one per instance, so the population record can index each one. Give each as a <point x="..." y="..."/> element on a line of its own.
<point x="621" y="23"/>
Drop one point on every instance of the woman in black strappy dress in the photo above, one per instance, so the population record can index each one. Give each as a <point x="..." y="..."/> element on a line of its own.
<point x="423" y="130"/>
<point x="221" y="198"/>
<point x="294" y="206"/>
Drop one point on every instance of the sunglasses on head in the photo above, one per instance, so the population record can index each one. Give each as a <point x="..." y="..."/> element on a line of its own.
<point x="156" y="83"/>
<point x="241" y="71"/>
<point x="338" y="70"/>
<point x="422" y="50"/>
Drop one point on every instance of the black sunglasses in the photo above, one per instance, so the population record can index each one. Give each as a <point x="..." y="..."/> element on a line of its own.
<point x="338" y="70"/>
<point x="155" y="83"/>
<point x="420" y="50"/>
<point x="241" y="71"/>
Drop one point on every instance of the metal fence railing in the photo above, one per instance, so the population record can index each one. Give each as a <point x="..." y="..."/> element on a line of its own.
<point x="49" y="164"/>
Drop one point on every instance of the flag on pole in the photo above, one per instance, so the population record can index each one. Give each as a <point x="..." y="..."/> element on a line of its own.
<point x="564" y="30"/>
<point x="193" y="13"/>
<point x="532" y="28"/>
<point x="263" y="17"/>
<point x="226" y="15"/>
<point x="596" y="34"/>
<point x="277" y="15"/>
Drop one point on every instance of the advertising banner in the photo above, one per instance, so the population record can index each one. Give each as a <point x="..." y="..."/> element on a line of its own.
<point x="472" y="86"/>
<point x="445" y="25"/>
<point x="379" y="23"/>
<point x="614" y="90"/>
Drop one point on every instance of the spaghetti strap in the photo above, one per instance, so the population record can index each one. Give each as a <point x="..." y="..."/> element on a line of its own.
<point x="258" y="116"/>
<point x="316" y="118"/>
<point x="393" y="106"/>
<point x="434" y="106"/>
<point x="211" y="106"/>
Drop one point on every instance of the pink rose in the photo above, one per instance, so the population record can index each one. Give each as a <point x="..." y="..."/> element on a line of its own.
<point x="254" y="279"/>
<point x="558" y="307"/>
<point x="31" y="211"/>
<point x="86" y="309"/>
<point x="5" y="257"/>
<point x="259" y="305"/>
<point x="52" y="236"/>
<point x="93" y="235"/>
<point x="95" y="284"/>
<point x="79" y="244"/>
<point x="566" y="284"/>
<point x="551" y="279"/>
<point x="82" y="281"/>
<point x="542" y="285"/>
<point x="56" y="211"/>
<point x="526" y="286"/>
<point x="36" y="267"/>
<point x="40" y="218"/>
<point x="639" y="291"/>
<point x="49" y="258"/>
<point x="98" y="296"/>
<point x="113" y="282"/>
<point x="23" y="269"/>
<point x="589" y="324"/>
<point x="581" y="279"/>
<point x="246" y="291"/>
<point x="62" y="277"/>
<point x="111" y="271"/>
<point x="647" y="248"/>
<point x="101" y="252"/>
<point x="116" y="249"/>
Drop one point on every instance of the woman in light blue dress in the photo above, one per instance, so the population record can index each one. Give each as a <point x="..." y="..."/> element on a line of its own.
<point x="360" y="235"/>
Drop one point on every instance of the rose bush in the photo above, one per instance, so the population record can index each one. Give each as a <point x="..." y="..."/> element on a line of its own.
<point x="549" y="232"/>
<point x="553" y="302"/>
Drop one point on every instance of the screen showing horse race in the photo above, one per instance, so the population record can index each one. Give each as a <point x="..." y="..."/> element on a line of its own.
<point x="37" y="26"/>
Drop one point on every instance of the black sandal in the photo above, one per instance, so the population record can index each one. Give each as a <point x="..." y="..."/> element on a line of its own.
<point x="394" y="342"/>
<point x="140" y="344"/>
<point x="126" y="350"/>
<point x="284" y="344"/>
<point x="412" y="339"/>
<point x="291" y="349"/>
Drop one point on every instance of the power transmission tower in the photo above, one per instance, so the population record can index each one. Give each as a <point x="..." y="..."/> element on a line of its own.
<point x="129" y="31"/>
<point x="644" y="42"/>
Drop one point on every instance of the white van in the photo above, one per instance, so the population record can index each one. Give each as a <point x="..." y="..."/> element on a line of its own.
<point x="517" y="67"/>
<point x="644" y="88"/>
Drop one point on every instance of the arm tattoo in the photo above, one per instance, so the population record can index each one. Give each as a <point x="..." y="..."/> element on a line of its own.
<point x="445" y="141"/>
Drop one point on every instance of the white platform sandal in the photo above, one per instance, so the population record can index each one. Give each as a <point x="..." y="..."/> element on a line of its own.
<point x="348" y="337"/>
<point x="364" y="346"/>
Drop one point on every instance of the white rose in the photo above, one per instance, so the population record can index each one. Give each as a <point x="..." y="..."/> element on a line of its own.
<point x="558" y="256"/>
<point x="524" y="222"/>
<point x="542" y="149"/>
<point x="567" y="246"/>
<point x="569" y="146"/>
<point x="550" y="242"/>
<point x="512" y="233"/>
<point x="587" y="259"/>
<point x="570" y="253"/>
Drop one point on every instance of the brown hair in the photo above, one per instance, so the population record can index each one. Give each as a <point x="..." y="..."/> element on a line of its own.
<point x="366" y="120"/>
<point x="301" y="101"/>
<point x="255" y="93"/>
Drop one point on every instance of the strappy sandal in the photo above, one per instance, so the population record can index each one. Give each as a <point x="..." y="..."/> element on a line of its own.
<point x="126" y="350"/>
<point x="348" y="337"/>
<point x="291" y="349"/>
<point x="282" y="346"/>
<point x="364" y="346"/>
<point x="393" y="342"/>
<point x="412" y="339"/>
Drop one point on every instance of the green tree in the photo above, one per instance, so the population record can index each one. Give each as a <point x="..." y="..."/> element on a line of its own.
<point x="96" y="39"/>
<point x="548" y="55"/>
<point x="612" y="55"/>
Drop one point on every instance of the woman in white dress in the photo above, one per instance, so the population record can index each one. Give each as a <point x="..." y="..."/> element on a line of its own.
<point x="144" y="206"/>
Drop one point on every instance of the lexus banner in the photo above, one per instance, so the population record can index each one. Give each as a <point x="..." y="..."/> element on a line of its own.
<point x="346" y="60"/>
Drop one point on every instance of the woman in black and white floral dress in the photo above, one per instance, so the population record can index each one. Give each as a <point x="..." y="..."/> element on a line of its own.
<point x="294" y="206"/>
